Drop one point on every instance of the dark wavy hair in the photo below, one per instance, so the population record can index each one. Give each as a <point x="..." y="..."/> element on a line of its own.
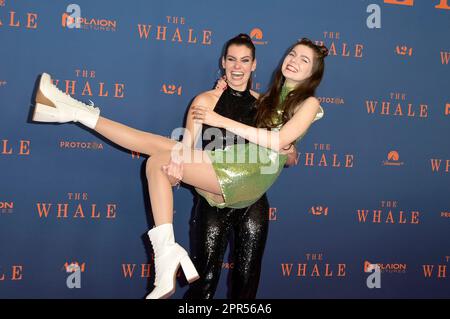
<point x="268" y="102"/>
<point x="240" y="39"/>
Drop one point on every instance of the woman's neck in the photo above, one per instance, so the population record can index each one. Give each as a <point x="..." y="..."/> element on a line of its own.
<point x="289" y="84"/>
<point x="238" y="88"/>
<point x="285" y="90"/>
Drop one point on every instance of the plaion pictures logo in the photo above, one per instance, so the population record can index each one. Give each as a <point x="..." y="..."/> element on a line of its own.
<point x="6" y="207"/>
<point x="390" y="268"/>
<point x="72" y="19"/>
<point x="374" y="279"/>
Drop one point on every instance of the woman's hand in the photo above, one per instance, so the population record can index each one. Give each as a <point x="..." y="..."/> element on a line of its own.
<point x="207" y="116"/>
<point x="292" y="154"/>
<point x="174" y="170"/>
<point x="222" y="83"/>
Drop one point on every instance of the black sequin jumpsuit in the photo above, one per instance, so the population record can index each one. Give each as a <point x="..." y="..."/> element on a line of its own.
<point x="211" y="226"/>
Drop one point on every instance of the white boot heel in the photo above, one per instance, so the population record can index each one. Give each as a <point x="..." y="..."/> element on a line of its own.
<point x="169" y="257"/>
<point x="45" y="113"/>
<point x="189" y="270"/>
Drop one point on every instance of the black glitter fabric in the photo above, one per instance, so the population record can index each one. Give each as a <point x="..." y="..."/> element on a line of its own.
<point x="211" y="226"/>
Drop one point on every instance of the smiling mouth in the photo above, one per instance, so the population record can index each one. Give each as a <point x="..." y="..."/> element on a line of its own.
<point x="291" y="68"/>
<point x="237" y="75"/>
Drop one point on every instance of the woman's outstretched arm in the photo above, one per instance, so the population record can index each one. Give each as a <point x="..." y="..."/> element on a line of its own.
<point x="275" y="140"/>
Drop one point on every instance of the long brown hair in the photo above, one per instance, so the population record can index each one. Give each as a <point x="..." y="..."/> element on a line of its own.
<point x="269" y="102"/>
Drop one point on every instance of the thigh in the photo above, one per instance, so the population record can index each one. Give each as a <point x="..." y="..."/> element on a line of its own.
<point x="199" y="172"/>
<point x="197" y="168"/>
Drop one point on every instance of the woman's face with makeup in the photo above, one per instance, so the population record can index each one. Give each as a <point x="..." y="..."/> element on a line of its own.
<point x="297" y="65"/>
<point x="238" y="65"/>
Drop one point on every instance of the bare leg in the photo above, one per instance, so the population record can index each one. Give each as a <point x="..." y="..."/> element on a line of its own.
<point x="168" y="254"/>
<point x="199" y="174"/>
<point x="132" y="139"/>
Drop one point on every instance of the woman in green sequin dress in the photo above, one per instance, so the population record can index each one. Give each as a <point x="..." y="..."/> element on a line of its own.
<point x="246" y="171"/>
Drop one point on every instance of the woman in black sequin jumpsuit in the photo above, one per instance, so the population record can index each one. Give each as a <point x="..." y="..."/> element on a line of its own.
<point x="212" y="226"/>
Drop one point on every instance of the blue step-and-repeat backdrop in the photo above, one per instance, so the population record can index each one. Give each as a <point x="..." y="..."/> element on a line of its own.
<point x="372" y="185"/>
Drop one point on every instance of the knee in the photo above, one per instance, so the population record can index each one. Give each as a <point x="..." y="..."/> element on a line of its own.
<point x="155" y="162"/>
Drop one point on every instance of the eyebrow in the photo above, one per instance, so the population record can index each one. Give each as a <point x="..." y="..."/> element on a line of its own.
<point x="244" y="57"/>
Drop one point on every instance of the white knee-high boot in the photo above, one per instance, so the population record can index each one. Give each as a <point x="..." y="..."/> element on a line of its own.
<point x="168" y="257"/>
<point x="53" y="105"/>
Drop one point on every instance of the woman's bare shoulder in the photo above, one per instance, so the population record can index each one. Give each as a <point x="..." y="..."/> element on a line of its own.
<point x="255" y="94"/>
<point x="207" y="98"/>
<point x="312" y="100"/>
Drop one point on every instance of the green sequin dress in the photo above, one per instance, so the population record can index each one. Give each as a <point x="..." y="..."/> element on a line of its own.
<point x="246" y="171"/>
